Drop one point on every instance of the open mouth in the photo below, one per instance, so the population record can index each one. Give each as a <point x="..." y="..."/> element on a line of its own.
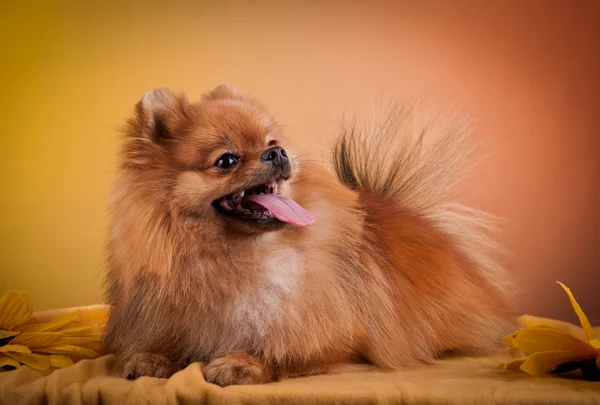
<point x="262" y="204"/>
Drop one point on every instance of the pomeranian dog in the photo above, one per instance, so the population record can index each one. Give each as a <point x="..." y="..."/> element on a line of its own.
<point x="225" y="248"/>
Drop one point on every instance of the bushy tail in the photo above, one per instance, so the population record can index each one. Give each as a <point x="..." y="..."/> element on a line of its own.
<point x="420" y="166"/>
<point x="399" y="158"/>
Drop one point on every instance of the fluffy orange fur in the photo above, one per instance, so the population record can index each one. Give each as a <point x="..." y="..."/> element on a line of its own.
<point x="390" y="274"/>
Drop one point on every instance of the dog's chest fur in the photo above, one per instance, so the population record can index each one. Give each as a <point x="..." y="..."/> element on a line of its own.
<point x="271" y="300"/>
<point x="285" y="296"/>
<point x="265" y="303"/>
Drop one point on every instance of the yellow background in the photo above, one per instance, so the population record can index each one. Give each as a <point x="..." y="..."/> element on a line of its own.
<point x="527" y="72"/>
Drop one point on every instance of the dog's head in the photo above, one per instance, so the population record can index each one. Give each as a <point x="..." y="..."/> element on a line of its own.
<point x="221" y="160"/>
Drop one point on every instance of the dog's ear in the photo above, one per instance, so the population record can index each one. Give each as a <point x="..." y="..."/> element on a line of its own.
<point x="158" y="112"/>
<point x="157" y="117"/>
<point x="223" y="92"/>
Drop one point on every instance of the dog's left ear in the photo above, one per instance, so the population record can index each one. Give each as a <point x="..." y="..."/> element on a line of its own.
<point x="223" y="92"/>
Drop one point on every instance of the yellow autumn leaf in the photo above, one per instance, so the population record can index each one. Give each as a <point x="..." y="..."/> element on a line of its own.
<point x="8" y="361"/>
<point x="95" y="315"/>
<point x="567" y="327"/>
<point x="513" y="364"/>
<point x="514" y="351"/>
<point x="77" y="330"/>
<point x="14" y="349"/>
<point x="78" y="340"/>
<point x="35" y="340"/>
<point x="585" y="323"/>
<point x="544" y="362"/>
<point x="7" y="333"/>
<point x="509" y="339"/>
<point x="545" y="338"/>
<point x="69" y="350"/>
<point x="94" y="346"/>
<point x="548" y="343"/>
<point x="48" y="338"/>
<point x="16" y="308"/>
<point x="35" y="361"/>
<point x="53" y="325"/>
<point x="59" y="360"/>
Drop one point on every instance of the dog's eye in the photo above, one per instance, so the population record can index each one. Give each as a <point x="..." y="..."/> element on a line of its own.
<point x="227" y="161"/>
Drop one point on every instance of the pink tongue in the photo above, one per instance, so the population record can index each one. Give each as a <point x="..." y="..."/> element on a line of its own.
<point x="285" y="209"/>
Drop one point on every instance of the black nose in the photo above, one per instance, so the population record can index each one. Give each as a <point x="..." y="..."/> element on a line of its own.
<point x="276" y="155"/>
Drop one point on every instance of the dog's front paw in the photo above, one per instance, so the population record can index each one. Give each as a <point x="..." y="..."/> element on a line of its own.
<point x="237" y="368"/>
<point x="138" y="365"/>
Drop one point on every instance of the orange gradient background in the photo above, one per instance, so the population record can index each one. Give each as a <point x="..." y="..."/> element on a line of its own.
<point x="528" y="73"/>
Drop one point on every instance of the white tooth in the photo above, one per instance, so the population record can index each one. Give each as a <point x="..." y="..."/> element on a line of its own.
<point x="275" y="188"/>
<point x="242" y="193"/>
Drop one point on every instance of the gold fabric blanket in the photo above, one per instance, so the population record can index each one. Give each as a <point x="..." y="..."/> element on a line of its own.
<point x="452" y="381"/>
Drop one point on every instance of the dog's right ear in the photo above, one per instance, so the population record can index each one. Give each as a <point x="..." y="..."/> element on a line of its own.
<point x="158" y="112"/>
<point x="224" y="92"/>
